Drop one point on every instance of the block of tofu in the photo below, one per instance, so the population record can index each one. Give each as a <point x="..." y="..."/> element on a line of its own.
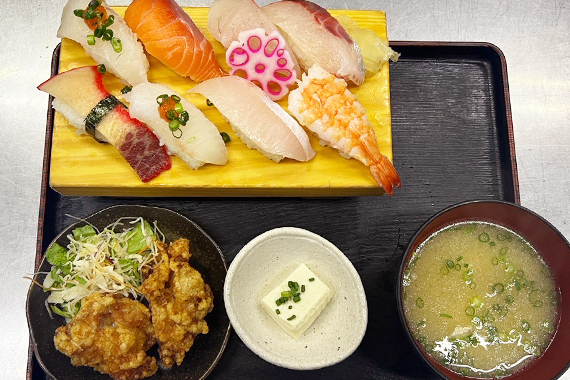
<point x="313" y="300"/>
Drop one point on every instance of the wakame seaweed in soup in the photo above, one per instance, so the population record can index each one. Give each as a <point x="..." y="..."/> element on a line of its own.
<point x="480" y="300"/>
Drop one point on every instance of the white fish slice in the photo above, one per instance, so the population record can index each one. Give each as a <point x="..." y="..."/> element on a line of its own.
<point x="130" y="65"/>
<point x="258" y="121"/>
<point x="200" y="141"/>
<point x="316" y="37"/>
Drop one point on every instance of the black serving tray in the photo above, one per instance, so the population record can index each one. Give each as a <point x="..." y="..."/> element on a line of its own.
<point x="452" y="142"/>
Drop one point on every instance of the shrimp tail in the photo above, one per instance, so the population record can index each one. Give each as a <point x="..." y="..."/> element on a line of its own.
<point x="385" y="174"/>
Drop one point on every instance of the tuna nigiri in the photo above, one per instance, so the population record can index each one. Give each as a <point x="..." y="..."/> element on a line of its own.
<point x="192" y="137"/>
<point x="228" y="18"/>
<point x="103" y="115"/>
<point x="106" y="38"/>
<point x="258" y="121"/>
<point x="324" y="105"/>
<point x="169" y="34"/>
<point x="317" y="37"/>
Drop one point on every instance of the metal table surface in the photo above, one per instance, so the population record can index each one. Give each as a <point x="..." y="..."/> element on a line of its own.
<point x="533" y="35"/>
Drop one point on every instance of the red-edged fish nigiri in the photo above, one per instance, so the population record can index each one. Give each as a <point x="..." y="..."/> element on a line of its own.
<point x="169" y="34"/>
<point x="91" y="109"/>
<point x="317" y="37"/>
<point x="257" y="120"/>
<point x="106" y="38"/>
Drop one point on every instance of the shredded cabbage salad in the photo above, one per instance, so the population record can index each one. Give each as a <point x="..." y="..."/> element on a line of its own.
<point x="108" y="261"/>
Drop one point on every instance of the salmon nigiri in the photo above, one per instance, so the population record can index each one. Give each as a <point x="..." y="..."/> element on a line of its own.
<point x="323" y="104"/>
<point x="169" y="34"/>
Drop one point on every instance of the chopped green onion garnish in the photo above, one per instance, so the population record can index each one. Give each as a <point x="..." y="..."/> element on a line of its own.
<point x="312" y="279"/>
<point x="89" y="14"/>
<point x="178" y="107"/>
<point x="126" y="89"/>
<point x="161" y="99"/>
<point x="110" y="20"/>
<point x="525" y="326"/>
<point x="99" y="31"/>
<point x="449" y="264"/>
<point x="209" y="103"/>
<point x="78" y="12"/>
<point x="102" y="69"/>
<point x="176" y="98"/>
<point x="117" y="44"/>
<point x="297" y="298"/>
<point x="170" y="115"/>
<point x="470" y="311"/>
<point x="174" y="125"/>
<point x="420" y="303"/>
<point x="498" y="288"/>
<point x="484" y="237"/>
<point x="292" y="317"/>
<point x="277" y="311"/>
<point x="290" y="307"/>
<point x="94" y="3"/>
<point x="286" y="293"/>
<point x="90" y="40"/>
<point x="184" y="116"/>
<point x="302" y="288"/>
<point x="107" y="35"/>
<point x="520" y="273"/>
<point x="446" y="316"/>
<point x="225" y="137"/>
<point x="495" y="261"/>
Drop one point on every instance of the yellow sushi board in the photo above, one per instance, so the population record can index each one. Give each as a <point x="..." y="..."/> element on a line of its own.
<point x="81" y="166"/>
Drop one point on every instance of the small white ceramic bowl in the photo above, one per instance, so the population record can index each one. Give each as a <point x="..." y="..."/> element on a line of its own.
<point x="264" y="263"/>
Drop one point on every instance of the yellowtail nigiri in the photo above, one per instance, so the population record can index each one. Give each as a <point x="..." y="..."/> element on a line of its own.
<point x="258" y="121"/>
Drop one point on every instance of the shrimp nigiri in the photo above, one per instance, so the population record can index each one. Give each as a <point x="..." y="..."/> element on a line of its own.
<point x="106" y="38"/>
<point x="324" y="105"/>
<point x="169" y="34"/>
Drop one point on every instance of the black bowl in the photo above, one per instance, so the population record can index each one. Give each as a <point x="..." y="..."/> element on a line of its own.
<point x="206" y="258"/>
<point x="550" y="244"/>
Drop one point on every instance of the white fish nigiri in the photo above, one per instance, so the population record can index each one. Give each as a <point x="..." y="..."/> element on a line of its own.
<point x="198" y="141"/>
<point x="316" y="37"/>
<point x="228" y="18"/>
<point x="258" y="121"/>
<point x="129" y="63"/>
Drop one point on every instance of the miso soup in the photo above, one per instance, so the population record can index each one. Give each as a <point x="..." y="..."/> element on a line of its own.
<point x="480" y="300"/>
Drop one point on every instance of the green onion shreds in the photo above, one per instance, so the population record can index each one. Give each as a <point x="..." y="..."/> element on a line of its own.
<point x="484" y="237"/>
<point x="446" y="315"/>
<point x="117" y="44"/>
<point x="90" y="40"/>
<point x="420" y="303"/>
<point x="525" y="325"/>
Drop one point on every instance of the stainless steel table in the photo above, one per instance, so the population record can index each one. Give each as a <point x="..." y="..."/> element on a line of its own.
<point x="533" y="35"/>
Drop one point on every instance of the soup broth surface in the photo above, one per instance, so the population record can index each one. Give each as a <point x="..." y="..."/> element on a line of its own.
<point x="479" y="299"/>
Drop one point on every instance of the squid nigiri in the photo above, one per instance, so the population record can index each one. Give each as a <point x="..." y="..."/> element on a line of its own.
<point x="169" y="34"/>
<point x="191" y="136"/>
<point x="258" y="121"/>
<point x="324" y="105"/>
<point x="317" y="37"/>
<point x="93" y="110"/>
<point x="228" y="18"/>
<point x="106" y="38"/>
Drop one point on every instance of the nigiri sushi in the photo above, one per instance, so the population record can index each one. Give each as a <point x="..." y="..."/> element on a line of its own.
<point x="324" y="105"/>
<point x="258" y="121"/>
<point x="191" y="137"/>
<point x="228" y="18"/>
<point x="169" y="34"/>
<point x="317" y="37"/>
<point x="104" y="116"/>
<point x="106" y="38"/>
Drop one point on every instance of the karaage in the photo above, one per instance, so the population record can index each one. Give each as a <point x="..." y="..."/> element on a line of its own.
<point x="179" y="301"/>
<point x="111" y="334"/>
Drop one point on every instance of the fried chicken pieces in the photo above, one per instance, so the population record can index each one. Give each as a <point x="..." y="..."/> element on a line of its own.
<point x="112" y="333"/>
<point x="179" y="300"/>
